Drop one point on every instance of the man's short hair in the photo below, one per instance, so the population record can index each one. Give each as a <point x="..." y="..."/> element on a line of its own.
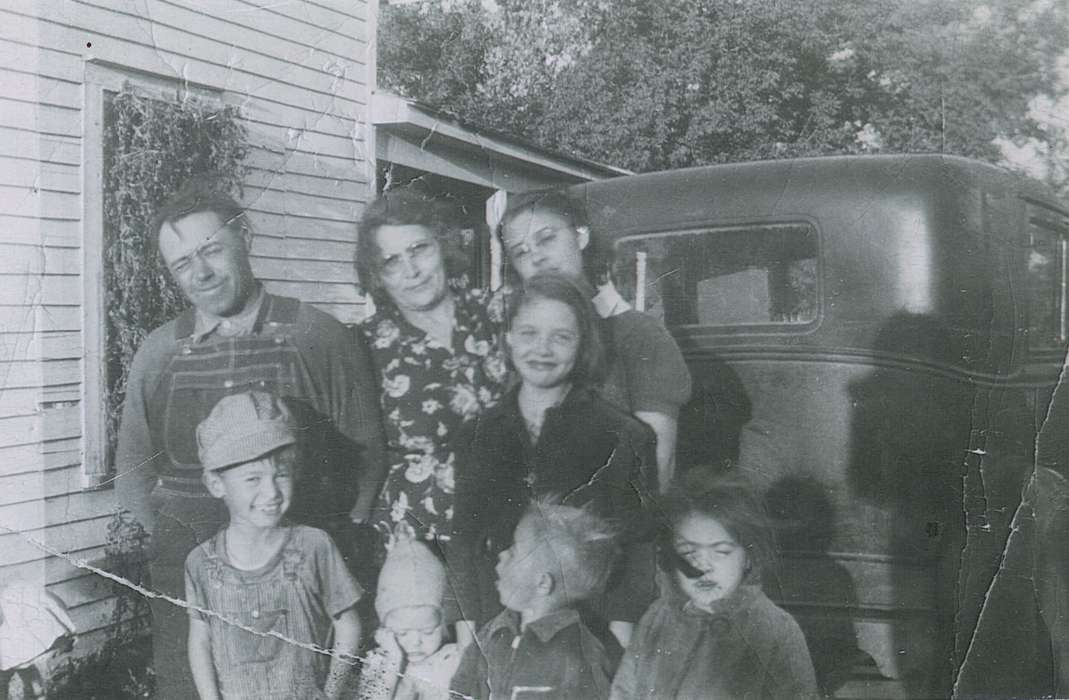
<point x="200" y="194"/>
<point x="583" y="545"/>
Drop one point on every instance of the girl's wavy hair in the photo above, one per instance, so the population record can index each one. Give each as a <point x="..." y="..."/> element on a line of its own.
<point x="730" y="499"/>
<point x="404" y="206"/>
<point x="597" y="260"/>
<point x="590" y="359"/>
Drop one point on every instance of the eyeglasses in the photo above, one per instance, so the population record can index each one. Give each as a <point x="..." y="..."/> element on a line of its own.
<point x="419" y="252"/>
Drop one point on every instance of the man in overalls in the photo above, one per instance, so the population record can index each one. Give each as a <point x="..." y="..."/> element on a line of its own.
<point x="235" y="338"/>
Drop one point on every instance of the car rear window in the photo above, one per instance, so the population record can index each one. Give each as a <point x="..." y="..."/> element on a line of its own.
<point x="756" y="275"/>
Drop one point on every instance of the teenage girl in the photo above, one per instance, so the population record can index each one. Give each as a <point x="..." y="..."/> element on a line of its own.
<point x="554" y="435"/>
<point x="645" y="375"/>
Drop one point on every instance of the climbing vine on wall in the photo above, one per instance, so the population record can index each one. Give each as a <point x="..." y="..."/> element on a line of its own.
<point x="151" y="148"/>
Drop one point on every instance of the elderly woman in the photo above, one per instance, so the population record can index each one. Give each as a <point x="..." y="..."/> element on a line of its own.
<point x="435" y="347"/>
<point x="647" y="377"/>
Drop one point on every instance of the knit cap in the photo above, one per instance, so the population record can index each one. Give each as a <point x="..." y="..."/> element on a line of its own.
<point x="411" y="576"/>
<point x="243" y="427"/>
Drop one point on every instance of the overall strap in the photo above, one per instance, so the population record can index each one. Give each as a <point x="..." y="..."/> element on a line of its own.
<point x="277" y="311"/>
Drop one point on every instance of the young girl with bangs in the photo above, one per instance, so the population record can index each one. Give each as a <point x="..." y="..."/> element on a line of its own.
<point x="554" y="434"/>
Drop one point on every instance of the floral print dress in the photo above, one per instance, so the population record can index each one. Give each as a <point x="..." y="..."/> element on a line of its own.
<point x="428" y="393"/>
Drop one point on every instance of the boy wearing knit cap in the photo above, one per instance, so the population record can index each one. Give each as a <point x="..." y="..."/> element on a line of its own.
<point x="538" y="646"/>
<point x="265" y="594"/>
<point x="412" y="662"/>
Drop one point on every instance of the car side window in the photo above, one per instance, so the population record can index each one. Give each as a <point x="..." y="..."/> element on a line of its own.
<point x="756" y="275"/>
<point x="1047" y="280"/>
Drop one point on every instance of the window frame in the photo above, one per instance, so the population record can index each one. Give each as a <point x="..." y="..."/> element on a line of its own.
<point x="769" y="328"/>
<point x="102" y="77"/>
<point x="1041" y="216"/>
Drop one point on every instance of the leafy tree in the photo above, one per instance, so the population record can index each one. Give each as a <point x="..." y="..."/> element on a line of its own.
<point x="651" y="85"/>
<point x="434" y="54"/>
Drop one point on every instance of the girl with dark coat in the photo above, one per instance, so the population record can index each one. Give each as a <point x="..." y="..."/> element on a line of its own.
<point x="553" y="434"/>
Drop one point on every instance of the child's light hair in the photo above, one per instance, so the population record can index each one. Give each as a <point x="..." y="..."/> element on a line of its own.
<point x="583" y="545"/>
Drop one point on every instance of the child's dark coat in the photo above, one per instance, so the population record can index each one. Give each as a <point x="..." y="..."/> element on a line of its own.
<point x="747" y="648"/>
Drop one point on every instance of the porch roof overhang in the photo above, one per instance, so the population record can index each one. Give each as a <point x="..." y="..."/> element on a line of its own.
<point x="421" y="137"/>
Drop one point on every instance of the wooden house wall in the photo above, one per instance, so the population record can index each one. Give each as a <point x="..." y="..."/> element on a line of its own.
<point x="299" y="70"/>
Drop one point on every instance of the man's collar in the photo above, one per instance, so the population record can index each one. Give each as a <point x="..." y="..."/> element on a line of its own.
<point x="544" y="628"/>
<point x="242" y="323"/>
<point x="608" y="302"/>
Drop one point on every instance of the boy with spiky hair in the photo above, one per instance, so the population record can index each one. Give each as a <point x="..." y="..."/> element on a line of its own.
<point x="538" y="645"/>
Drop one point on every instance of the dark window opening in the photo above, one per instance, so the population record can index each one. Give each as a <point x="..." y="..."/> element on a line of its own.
<point x="1047" y="283"/>
<point x="733" y="276"/>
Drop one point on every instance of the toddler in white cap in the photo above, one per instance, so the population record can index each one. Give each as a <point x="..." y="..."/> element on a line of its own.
<point x="264" y="593"/>
<point x="412" y="661"/>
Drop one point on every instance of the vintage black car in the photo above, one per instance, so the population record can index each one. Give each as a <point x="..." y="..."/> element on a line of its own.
<point x="875" y="339"/>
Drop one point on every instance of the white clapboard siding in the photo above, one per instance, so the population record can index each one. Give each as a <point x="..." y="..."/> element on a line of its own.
<point x="24" y="53"/>
<point x="93" y="616"/>
<point x="299" y="73"/>
<point x="82" y="589"/>
<point x="21" y="141"/>
<point x="23" y="86"/>
<point x="294" y="57"/>
<point x="296" y="44"/>
<point x="38" y="259"/>
<point x="40" y="514"/>
<point x="265" y="116"/>
<point x="25" y="201"/>
<point x="27" y="230"/>
<point x="277" y="269"/>
<point x="294" y="203"/>
<point x="317" y="184"/>
<point x="25" y="402"/>
<point x="57" y="570"/>
<point x="31" y="486"/>
<point x="40" y="344"/>
<point x="337" y="16"/>
<point x="45" y="119"/>
<point x="294" y="248"/>
<point x="18" y="171"/>
<point x="122" y="40"/>
<point x="48" y="424"/>
<point x="295" y="225"/>
<point x="41" y="318"/>
<point x="315" y="164"/>
<point x="316" y="293"/>
<point x="53" y="473"/>
<point x="25" y="545"/>
<point x="341" y="34"/>
<point x="125" y="21"/>
<point x="287" y="139"/>
<point x="39" y="289"/>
